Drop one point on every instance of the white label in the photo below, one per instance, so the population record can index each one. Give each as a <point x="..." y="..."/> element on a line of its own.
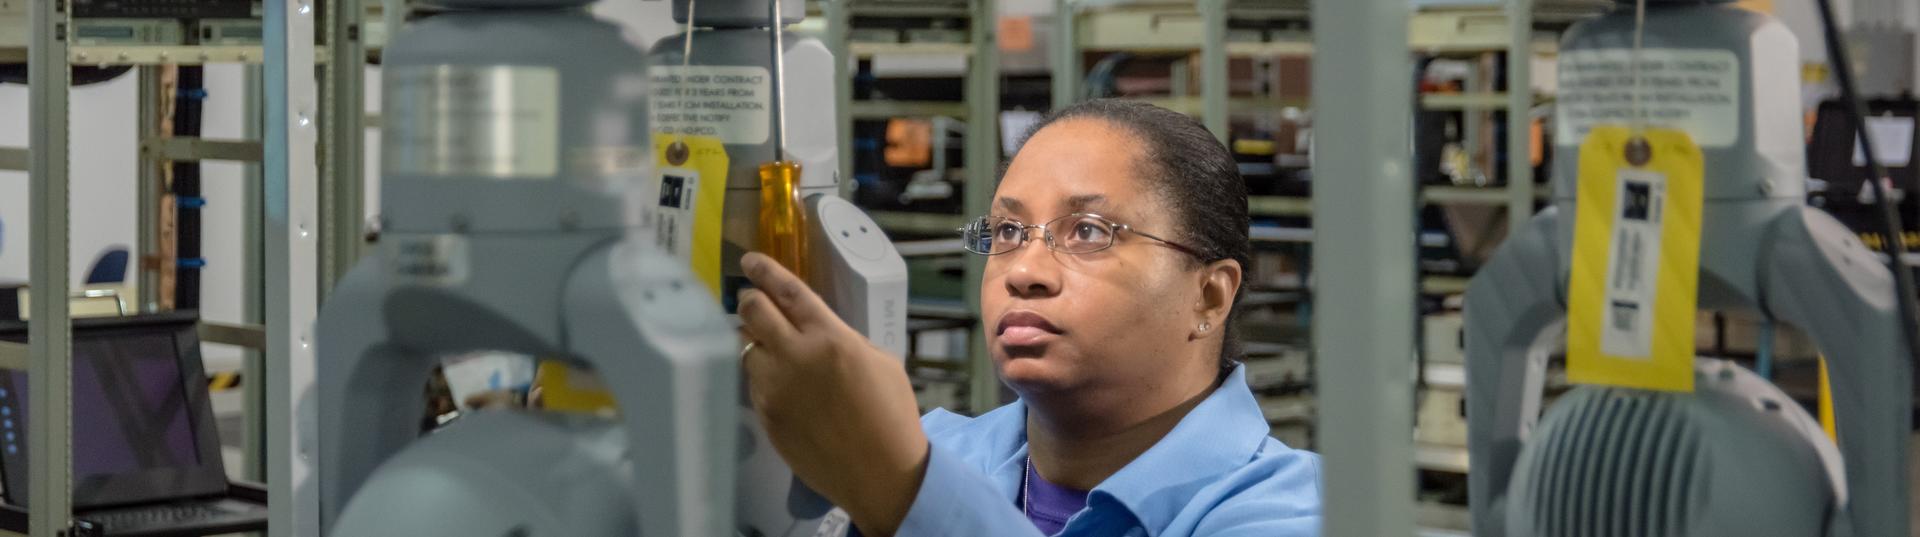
<point x="486" y="371"/>
<point x="1892" y="141"/>
<point x="835" y="524"/>
<point x="1633" y="264"/>
<point x="434" y="260"/>
<point x="473" y="121"/>
<point x="732" y="103"/>
<point x="668" y="210"/>
<point x="1695" y="91"/>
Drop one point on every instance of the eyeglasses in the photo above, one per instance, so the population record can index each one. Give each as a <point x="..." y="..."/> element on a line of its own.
<point x="1085" y="233"/>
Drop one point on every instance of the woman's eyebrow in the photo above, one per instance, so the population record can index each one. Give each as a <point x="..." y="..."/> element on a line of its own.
<point x="1085" y="202"/>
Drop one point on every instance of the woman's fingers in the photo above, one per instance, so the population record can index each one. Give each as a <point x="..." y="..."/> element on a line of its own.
<point x="802" y="307"/>
<point x="764" y="322"/>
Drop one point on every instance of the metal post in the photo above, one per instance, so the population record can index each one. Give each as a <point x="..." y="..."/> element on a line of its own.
<point x="291" y="255"/>
<point x="839" y="23"/>
<point x="1471" y="117"/>
<point x="1066" y="54"/>
<point x="1363" y="201"/>
<point x="343" y="192"/>
<point x="1213" y="67"/>
<point x="983" y="168"/>
<point x="393" y="15"/>
<point x="149" y="173"/>
<point x="1177" y="78"/>
<point x="253" y="283"/>
<point x="1519" y="120"/>
<point x="49" y="438"/>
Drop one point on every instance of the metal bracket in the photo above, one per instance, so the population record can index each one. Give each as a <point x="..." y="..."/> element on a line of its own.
<point x="246" y="336"/>
<point x="181" y="148"/>
<point x="14" y="158"/>
<point x="13" y="356"/>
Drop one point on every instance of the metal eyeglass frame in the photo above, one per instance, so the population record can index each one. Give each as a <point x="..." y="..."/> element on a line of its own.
<point x="1047" y="235"/>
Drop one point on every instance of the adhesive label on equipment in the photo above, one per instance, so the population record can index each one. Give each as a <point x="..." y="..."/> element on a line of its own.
<point x="1693" y="91"/>
<point x="496" y="122"/>
<point x="671" y="207"/>
<point x="1633" y="263"/>
<point x="733" y="103"/>
<point x="431" y="260"/>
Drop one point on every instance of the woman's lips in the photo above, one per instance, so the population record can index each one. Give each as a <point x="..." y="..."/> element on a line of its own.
<point x="1025" y="328"/>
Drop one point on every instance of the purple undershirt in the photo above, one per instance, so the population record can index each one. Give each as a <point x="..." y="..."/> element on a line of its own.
<point x="1051" y="505"/>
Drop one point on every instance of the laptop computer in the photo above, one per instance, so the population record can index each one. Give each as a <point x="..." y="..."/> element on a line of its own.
<point x="146" y="452"/>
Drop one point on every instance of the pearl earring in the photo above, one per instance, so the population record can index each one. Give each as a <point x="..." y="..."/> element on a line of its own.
<point x="1205" y="326"/>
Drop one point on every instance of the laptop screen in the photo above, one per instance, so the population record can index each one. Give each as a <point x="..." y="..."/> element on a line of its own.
<point x="136" y="434"/>
<point x="129" y="407"/>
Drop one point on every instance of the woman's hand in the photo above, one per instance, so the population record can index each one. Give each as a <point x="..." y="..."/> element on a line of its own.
<point x="839" y="410"/>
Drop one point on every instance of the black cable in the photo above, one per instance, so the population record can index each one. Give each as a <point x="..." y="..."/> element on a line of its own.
<point x="1890" y="219"/>
<point x="190" y="96"/>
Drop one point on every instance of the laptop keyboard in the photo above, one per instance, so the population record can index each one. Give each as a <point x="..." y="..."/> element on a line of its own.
<point x="155" y="516"/>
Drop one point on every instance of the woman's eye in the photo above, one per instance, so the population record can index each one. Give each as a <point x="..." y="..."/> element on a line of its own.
<point x="1006" y="232"/>
<point x="1089" y="231"/>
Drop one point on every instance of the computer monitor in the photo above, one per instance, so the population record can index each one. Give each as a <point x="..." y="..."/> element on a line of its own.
<point x="143" y="427"/>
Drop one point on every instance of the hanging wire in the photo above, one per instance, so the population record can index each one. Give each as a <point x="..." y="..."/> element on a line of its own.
<point x="686" y="50"/>
<point x="1877" y="180"/>
<point x="1639" y="122"/>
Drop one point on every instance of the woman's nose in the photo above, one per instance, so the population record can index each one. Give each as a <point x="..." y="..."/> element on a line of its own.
<point x="1032" y="270"/>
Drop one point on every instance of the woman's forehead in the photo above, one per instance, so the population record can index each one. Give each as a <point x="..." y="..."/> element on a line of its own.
<point x="1074" y="166"/>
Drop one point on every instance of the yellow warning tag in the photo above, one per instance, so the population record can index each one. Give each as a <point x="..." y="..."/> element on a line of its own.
<point x="687" y="201"/>
<point x="1633" y="289"/>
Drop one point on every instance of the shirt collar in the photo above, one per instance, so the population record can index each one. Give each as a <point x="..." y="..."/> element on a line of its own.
<point x="1220" y="434"/>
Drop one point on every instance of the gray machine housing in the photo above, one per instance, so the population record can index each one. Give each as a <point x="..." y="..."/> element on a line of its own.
<point x="509" y="246"/>
<point x="527" y="246"/>
<point x="1762" y="250"/>
<point x="1623" y="462"/>
<point x="474" y="477"/>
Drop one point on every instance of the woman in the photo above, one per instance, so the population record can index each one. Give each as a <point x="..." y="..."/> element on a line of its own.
<point x="1116" y="246"/>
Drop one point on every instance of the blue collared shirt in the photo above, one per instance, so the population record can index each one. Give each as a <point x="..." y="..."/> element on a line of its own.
<point x="1216" y="474"/>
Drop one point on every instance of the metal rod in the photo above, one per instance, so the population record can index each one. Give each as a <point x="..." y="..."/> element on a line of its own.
<point x="146" y="277"/>
<point x="49" y="336"/>
<point x="343" y="197"/>
<point x="253" y="222"/>
<point x="839" y="24"/>
<point x="1213" y="68"/>
<point x="1520" y="196"/>
<point x="291" y="253"/>
<point x="1066" y="54"/>
<point x="776" y="27"/>
<point x="983" y="163"/>
<point x="1363" y="262"/>
<point x="393" y="15"/>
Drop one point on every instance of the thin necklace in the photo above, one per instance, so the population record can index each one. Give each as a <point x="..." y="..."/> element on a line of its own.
<point x="1026" y="492"/>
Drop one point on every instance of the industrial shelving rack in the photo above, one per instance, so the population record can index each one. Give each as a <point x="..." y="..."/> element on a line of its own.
<point x="980" y="109"/>
<point x="302" y="211"/>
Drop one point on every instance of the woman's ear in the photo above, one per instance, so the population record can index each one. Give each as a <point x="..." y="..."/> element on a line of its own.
<point x="1219" y="282"/>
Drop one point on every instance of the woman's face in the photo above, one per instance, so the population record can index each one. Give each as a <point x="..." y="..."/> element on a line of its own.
<point x="1103" y="325"/>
